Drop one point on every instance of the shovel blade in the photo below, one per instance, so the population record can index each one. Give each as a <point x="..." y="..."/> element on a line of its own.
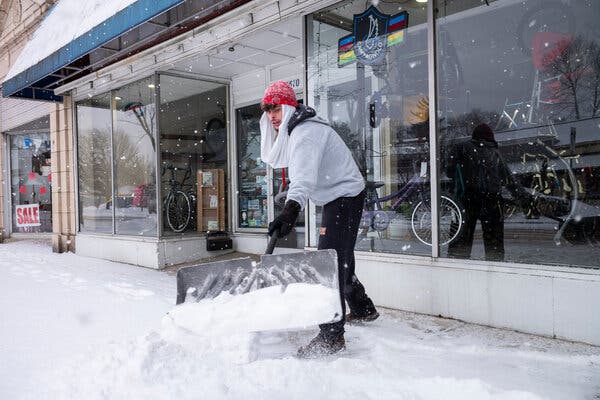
<point x="313" y="267"/>
<point x="210" y="279"/>
<point x="315" y="301"/>
<point x="242" y="275"/>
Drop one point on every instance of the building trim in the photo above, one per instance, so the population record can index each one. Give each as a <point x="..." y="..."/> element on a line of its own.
<point x="28" y="83"/>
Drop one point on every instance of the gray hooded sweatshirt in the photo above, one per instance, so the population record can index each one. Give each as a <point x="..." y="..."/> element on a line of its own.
<point x="321" y="167"/>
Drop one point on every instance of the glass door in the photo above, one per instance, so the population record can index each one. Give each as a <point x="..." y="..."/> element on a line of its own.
<point x="254" y="197"/>
<point x="252" y="172"/>
<point x="31" y="182"/>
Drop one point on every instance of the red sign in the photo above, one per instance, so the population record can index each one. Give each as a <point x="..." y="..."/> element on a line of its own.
<point x="28" y="215"/>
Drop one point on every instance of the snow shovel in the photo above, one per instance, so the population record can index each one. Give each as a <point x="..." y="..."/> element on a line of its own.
<point x="242" y="275"/>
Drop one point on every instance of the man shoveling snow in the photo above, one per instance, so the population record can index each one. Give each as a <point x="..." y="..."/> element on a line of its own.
<point x="321" y="168"/>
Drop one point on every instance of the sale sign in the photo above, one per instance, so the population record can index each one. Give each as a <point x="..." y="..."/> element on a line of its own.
<point x="28" y="215"/>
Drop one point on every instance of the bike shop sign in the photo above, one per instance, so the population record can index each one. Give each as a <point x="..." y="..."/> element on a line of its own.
<point x="373" y="32"/>
<point x="27" y="215"/>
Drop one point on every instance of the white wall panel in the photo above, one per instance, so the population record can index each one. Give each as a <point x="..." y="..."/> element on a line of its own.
<point x="16" y="112"/>
<point x="576" y="310"/>
<point x="291" y="70"/>
<point x="539" y="301"/>
<point x="248" y="87"/>
<point x="145" y="252"/>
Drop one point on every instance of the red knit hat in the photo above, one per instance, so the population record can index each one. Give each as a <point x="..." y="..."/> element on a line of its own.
<point x="278" y="93"/>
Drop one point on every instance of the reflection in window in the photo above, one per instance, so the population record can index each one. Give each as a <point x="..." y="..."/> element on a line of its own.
<point x="530" y="71"/>
<point x="381" y="112"/>
<point x="252" y="172"/>
<point x="94" y="164"/>
<point x="134" y="147"/>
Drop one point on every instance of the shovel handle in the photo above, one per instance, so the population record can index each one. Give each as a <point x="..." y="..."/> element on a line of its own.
<point x="272" y="243"/>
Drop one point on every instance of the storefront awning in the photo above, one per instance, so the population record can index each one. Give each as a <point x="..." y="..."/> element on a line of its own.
<point x="78" y="37"/>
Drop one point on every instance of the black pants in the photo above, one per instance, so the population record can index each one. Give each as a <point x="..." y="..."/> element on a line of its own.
<point x="339" y="228"/>
<point x="487" y="209"/>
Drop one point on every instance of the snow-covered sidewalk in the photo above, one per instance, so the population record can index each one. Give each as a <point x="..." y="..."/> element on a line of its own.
<point x="80" y="328"/>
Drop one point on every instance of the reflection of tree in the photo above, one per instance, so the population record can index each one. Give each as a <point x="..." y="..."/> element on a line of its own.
<point x="142" y="113"/>
<point x="94" y="166"/>
<point x="575" y="64"/>
<point x="133" y="168"/>
<point x="595" y="78"/>
<point x="421" y="112"/>
<point x="94" y="149"/>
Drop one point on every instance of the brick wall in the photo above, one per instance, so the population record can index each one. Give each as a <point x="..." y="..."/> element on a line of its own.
<point x="18" y="21"/>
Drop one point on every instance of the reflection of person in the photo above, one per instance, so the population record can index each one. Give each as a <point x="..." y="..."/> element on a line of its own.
<point x="479" y="173"/>
<point x="321" y="168"/>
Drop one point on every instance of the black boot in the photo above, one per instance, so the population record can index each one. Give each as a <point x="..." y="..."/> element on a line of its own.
<point x="361" y="310"/>
<point x="371" y="315"/>
<point x="322" y="346"/>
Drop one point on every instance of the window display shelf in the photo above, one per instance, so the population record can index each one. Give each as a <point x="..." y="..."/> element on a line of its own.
<point x="211" y="200"/>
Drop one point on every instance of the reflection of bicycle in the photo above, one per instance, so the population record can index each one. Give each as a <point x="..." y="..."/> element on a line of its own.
<point x="180" y="205"/>
<point x="412" y="202"/>
<point x="546" y="180"/>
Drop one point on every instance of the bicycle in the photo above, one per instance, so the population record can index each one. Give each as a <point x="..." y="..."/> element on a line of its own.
<point x="376" y="216"/>
<point x="180" y="205"/>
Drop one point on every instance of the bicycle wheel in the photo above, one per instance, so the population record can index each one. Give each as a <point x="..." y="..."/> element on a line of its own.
<point x="178" y="211"/>
<point x="451" y="221"/>
<point x="508" y="209"/>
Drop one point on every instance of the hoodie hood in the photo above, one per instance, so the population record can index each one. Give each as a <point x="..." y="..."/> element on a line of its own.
<point x="302" y="114"/>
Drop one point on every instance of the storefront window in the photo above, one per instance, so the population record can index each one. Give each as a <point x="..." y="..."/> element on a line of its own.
<point x="193" y="146"/>
<point x="94" y="150"/>
<point x="367" y="74"/>
<point x="530" y="70"/>
<point x="134" y="149"/>
<point x="31" y="182"/>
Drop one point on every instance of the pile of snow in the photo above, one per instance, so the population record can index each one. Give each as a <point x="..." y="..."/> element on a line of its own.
<point x="299" y="305"/>
<point x="79" y="328"/>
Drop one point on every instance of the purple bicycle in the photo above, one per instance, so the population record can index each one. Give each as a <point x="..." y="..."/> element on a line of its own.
<point x="412" y="202"/>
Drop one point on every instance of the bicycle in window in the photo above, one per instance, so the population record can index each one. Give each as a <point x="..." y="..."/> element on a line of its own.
<point x="413" y="202"/>
<point x="180" y="200"/>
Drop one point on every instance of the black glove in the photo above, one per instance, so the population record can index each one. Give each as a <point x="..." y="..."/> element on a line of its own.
<point x="284" y="222"/>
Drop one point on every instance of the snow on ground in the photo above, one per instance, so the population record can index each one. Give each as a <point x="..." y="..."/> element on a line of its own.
<point x="80" y="328"/>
